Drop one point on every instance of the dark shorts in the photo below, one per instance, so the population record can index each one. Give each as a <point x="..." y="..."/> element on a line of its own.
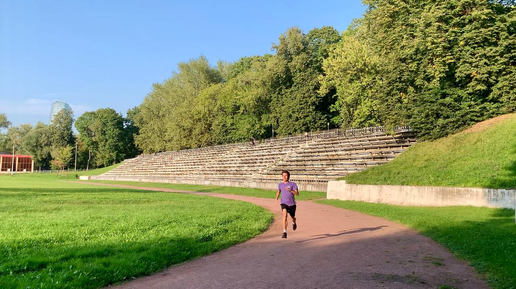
<point x="291" y="210"/>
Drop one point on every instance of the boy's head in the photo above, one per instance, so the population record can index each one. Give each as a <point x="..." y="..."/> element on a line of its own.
<point x="285" y="175"/>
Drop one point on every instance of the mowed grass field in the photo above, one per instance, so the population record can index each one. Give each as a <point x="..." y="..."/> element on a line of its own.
<point x="55" y="234"/>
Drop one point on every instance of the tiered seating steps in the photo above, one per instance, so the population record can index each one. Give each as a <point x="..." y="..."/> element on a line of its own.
<point x="313" y="158"/>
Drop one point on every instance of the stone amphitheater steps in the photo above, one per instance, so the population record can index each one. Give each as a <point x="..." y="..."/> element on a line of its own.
<point x="313" y="160"/>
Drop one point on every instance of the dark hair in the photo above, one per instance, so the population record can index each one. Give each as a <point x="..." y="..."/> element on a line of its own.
<point x="286" y="172"/>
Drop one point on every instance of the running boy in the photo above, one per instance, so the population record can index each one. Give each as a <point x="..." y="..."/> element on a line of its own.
<point x="287" y="190"/>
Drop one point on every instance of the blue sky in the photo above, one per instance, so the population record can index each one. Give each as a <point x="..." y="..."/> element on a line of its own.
<point x="97" y="54"/>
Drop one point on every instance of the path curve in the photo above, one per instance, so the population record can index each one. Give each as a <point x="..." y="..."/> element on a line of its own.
<point x="332" y="248"/>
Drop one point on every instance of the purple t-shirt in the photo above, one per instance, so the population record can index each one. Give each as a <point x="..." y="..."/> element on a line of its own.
<point x="287" y="197"/>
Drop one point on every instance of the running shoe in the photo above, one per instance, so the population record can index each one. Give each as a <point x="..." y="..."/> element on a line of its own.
<point x="284" y="236"/>
<point x="294" y="226"/>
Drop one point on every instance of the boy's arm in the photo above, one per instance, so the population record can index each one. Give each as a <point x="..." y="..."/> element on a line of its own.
<point x="277" y="196"/>
<point x="294" y="192"/>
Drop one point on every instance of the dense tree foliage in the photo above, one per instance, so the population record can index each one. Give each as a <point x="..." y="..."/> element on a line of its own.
<point x="353" y="70"/>
<point x="42" y="142"/>
<point x="4" y="123"/>
<point x="293" y="77"/>
<point x="107" y="137"/>
<point x="61" y="129"/>
<point x="436" y="65"/>
<point x="38" y="144"/>
<point x="62" y="139"/>
<point x="237" y="108"/>
<point x="12" y="139"/>
<point x="62" y="157"/>
<point x="165" y="116"/>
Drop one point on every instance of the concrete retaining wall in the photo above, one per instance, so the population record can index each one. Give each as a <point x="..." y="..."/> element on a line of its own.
<point x="422" y="196"/>
<point x="303" y="186"/>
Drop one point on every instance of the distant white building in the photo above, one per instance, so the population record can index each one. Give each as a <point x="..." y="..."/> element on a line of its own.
<point x="57" y="107"/>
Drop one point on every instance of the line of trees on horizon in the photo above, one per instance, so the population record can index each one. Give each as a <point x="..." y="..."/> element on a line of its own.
<point x="438" y="66"/>
<point x="105" y="137"/>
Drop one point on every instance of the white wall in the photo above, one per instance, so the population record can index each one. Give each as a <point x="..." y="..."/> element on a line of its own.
<point x="422" y="196"/>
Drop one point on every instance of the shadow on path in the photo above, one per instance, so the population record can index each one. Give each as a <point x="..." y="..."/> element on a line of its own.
<point x="346" y="232"/>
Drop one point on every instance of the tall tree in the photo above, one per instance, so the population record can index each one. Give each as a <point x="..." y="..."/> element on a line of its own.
<point x="61" y="129"/>
<point x="162" y="120"/>
<point x="4" y="123"/>
<point x="447" y="64"/>
<point x="38" y="144"/>
<point x="321" y="41"/>
<point x="130" y="131"/>
<point x="88" y="129"/>
<point x="14" y="137"/>
<point x="62" y="157"/>
<point x="112" y="139"/>
<point x="352" y="70"/>
<point x="239" y="109"/>
<point x="62" y="139"/>
<point x="104" y="133"/>
<point x="293" y="73"/>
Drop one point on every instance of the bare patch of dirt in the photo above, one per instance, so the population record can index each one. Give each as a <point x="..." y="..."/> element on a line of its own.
<point x="488" y="123"/>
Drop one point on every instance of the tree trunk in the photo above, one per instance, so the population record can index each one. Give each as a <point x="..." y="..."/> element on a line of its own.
<point x="89" y="157"/>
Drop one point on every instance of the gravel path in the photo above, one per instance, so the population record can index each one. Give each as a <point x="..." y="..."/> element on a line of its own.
<point x="332" y="248"/>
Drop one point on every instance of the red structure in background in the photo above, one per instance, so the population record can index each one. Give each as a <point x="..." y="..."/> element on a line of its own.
<point x="22" y="163"/>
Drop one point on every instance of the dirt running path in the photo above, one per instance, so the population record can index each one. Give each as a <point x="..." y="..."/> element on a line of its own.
<point x="332" y="248"/>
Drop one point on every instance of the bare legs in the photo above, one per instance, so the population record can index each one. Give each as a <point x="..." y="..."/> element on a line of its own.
<point x="285" y="219"/>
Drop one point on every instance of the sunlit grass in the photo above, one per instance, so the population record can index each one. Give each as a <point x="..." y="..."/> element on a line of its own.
<point x="56" y="234"/>
<point x="100" y="171"/>
<point x="481" y="158"/>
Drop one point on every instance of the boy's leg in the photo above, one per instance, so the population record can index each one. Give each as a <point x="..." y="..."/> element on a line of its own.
<point x="293" y="217"/>
<point x="285" y="220"/>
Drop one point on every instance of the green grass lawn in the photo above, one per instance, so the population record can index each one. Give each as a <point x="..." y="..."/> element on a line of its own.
<point x="252" y="192"/>
<point x="65" y="175"/>
<point x="56" y="234"/>
<point x="485" y="237"/>
<point x="74" y="174"/>
<point x="483" y="158"/>
<point x="98" y="171"/>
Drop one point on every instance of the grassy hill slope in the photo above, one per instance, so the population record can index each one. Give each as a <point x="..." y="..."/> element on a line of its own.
<point x="99" y="171"/>
<point x="481" y="156"/>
